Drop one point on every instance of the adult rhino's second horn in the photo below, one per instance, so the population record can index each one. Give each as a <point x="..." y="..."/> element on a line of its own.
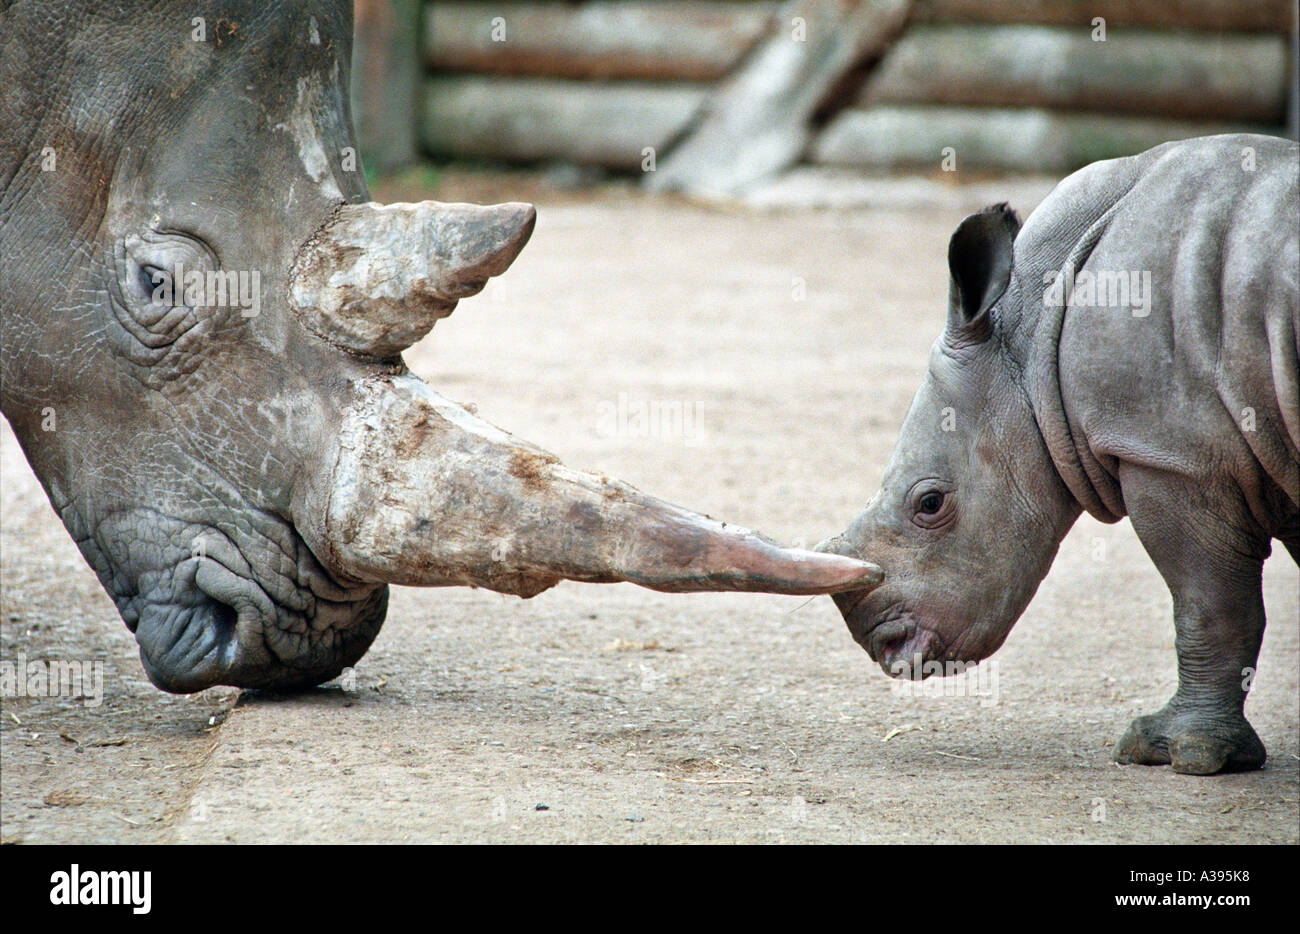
<point x="418" y="491"/>
<point x="377" y="277"/>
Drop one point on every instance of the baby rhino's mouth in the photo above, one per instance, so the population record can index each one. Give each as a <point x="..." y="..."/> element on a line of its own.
<point x="900" y="646"/>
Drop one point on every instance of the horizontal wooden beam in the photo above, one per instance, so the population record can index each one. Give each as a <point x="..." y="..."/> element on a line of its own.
<point x="1230" y="77"/>
<point x="608" y="39"/>
<point x="532" y="119"/>
<point x="1022" y="140"/>
<point x="1211" y="15"/>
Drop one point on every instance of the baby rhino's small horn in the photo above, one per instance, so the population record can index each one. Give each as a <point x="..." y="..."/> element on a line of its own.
<point x="377" y="277"/>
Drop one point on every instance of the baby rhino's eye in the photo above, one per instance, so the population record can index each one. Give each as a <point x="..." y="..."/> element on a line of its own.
<point x="930" y="503"/>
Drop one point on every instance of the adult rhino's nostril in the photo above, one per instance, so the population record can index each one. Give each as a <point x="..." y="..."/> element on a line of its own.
<point x="224" y="618"/>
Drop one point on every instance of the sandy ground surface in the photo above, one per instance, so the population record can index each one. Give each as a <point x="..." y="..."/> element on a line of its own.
<point x="792" y="342"/>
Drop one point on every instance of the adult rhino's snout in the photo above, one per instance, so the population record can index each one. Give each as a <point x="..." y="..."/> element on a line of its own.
<point x="377" y="277"/>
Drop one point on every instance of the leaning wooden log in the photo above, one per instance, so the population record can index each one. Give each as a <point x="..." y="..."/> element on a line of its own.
<point x="674" y="40"/>
<point x="1209" y="15"/>
<point x="386" y="75"/>
<point x="610" y="125"/>
<point x="1023" y="140"/>
<point x="758" y="122"/>
<point x="1229" y="77"/>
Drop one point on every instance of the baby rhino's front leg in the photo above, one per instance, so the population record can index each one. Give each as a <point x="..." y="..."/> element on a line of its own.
<point x="1213" y="567"/>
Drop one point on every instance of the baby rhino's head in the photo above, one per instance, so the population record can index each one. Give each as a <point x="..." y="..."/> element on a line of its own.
<point x="971" y="510"/>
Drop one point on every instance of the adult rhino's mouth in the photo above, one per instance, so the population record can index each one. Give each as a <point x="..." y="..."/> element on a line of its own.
<point x="202" y="614"/>
<point x="185" y="646"/>
<point x="215" y="627"/>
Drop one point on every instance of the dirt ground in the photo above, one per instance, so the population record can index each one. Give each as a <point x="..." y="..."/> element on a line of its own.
<point x="789" y="344"/>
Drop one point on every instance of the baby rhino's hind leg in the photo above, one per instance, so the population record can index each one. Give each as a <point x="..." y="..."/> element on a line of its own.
<point x="1213" y="567"/>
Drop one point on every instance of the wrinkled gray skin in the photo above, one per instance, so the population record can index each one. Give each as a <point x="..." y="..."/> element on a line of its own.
<point x="246" y="486"/>
<point x="1185" y="419"/>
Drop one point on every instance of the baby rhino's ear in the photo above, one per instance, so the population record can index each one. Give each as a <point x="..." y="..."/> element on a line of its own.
<point x="979" y="260"/>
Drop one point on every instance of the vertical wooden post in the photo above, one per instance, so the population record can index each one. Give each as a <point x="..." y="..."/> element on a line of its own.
<point x="386" y="80"/>
<point x="1293" y="75"/>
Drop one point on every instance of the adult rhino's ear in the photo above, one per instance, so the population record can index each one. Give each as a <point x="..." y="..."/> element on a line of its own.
<point x="980" y="256"/>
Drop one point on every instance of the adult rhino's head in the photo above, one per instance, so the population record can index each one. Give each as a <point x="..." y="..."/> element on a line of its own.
<point x="203" y="316"/>
<point x="970" y="510"/>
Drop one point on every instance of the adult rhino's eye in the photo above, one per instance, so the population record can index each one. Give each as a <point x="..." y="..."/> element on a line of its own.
<point x="929" y="504"/>
<point x="150" y="307"/>
<point x="149" y="278"/>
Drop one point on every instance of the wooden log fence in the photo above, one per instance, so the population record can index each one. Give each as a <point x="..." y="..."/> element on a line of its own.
<point x="729" y="93"/>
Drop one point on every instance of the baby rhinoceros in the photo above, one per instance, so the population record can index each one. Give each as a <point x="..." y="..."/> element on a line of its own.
<point x="1130" y="351"/>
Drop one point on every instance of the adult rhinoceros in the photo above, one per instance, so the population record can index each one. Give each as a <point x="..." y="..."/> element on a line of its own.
<point x="203" y="316"/>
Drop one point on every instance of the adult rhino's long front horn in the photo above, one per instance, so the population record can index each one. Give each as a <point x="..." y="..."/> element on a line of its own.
<point x="415" y="490"/>
<point x="376" y="277"/>
<point x="421" y="492"/>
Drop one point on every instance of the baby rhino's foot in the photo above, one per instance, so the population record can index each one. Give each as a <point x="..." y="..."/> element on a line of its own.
<point x="1193" y="743"/>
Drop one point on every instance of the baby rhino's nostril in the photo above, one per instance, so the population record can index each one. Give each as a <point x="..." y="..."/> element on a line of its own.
<point x="886" y="638"/>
